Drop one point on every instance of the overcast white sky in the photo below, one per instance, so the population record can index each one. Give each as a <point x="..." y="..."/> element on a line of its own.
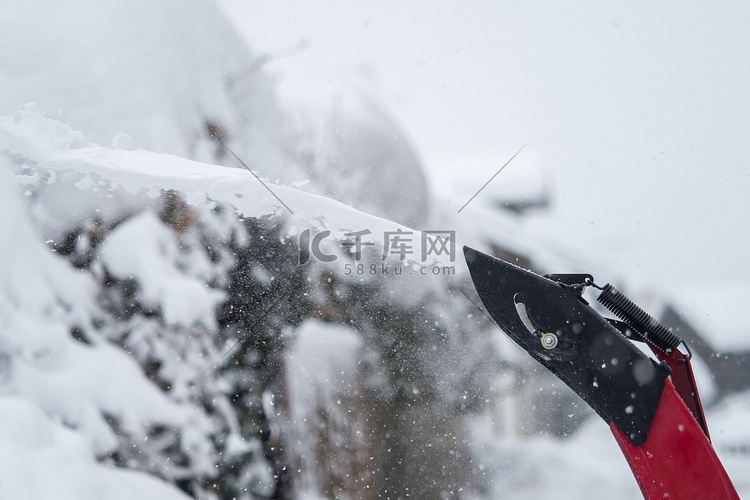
<point x="639" y="111"/>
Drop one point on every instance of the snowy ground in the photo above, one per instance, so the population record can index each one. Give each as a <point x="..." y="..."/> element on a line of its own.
<point x="53" y="384"/>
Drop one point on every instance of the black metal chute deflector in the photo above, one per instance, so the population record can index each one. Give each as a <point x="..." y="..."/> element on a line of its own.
<point x="593" y="358"/>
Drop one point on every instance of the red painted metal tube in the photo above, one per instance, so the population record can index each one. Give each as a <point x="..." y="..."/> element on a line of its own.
<point x="677" y="461"/>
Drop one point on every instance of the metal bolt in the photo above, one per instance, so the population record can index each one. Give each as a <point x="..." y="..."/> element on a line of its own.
<point x="549" y="340"/>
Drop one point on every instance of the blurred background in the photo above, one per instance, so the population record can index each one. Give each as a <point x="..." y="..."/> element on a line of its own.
<point x="636" y="116"/>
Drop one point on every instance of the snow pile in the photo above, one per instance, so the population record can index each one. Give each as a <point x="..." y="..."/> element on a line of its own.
<point x="143" y="247"/>
<point x="140" y="171"/>
<point x="32" y="447"/>
<point x="53" y="383"/>
<point x="140" y="286"/>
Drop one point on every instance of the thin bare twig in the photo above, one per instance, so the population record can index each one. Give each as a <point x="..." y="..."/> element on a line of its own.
<point x="485" y="184"/>
<point x="259" y="180"/>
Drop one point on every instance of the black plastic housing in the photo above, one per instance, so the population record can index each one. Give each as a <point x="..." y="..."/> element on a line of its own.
<point x="621" y="383"/>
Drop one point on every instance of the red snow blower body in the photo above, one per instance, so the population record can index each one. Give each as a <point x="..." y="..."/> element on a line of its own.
<point x="651" y="404"/>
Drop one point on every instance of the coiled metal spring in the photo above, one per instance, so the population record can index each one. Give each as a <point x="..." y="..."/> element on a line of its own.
<point x="638" y="319"/>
